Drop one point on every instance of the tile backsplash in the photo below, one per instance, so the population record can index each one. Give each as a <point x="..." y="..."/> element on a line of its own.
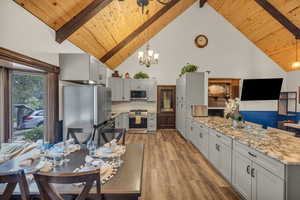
<point x="126" y="106"/>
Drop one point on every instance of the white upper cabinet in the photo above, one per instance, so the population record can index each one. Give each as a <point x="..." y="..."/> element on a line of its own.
<point x="126" y="89"/>
<point x="151" y="89"/>
<point x="121" y="88"/>
<point x="116" y="85"/>
<point x="191" y="89"/>
<point x="82" y="68"/>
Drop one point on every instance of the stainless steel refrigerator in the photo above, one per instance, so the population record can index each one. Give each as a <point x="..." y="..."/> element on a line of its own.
<point x="86" y="106"/>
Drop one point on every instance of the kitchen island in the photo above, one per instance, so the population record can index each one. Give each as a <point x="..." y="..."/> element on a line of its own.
<point x="260" y="164"/>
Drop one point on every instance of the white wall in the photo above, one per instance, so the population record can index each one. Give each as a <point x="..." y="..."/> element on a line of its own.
<point x="24" y="33"/>
<point x="293" y="84"/>
<point x="229" y="53"/>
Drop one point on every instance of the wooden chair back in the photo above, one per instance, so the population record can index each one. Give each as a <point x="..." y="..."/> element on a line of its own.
<point x="120" y="137"/>
<point x="71" y="133"/>
<point x="44" y="182"/>
<point x="12" y="179"/>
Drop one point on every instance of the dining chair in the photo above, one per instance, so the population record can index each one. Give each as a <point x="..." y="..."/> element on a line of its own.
<point x="120" y="137"/>
<point x="71" y="133"/>
<point x="281" y="131"/>
<point x="47" y="191"/>
<point x="12" y="179"/>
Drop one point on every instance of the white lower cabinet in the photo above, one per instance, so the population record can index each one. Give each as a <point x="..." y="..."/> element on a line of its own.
<point x="241" y="176"/>
<point x="225" y="161"/>
<point x="265" y="185"/>
<point x="220" y="154"/>
<point x="151" y="122"/>
<point x="254" y="175"/>
<point x="254" y="182"/>
<point x="201" y="139"/>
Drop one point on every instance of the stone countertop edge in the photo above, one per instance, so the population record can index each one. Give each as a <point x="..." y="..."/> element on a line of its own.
<point x="264" y="152"/>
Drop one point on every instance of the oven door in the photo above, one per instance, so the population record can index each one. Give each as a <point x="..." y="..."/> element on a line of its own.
<point x="135" y="123"/>
<point x="138" y="94"/>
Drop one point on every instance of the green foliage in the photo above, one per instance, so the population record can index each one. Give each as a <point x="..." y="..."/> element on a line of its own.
<point x="28" y="89"/>
<point x="188" y="68"/>
<point x="34" y="134"/>
<point x="140" y="75"/>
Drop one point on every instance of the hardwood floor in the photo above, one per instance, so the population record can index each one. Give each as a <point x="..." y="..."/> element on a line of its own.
<point x="175" y="170"/>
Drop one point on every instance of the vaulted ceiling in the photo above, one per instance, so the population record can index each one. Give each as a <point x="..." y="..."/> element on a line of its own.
<point x="120" y="28"/>
<point x="116" y="31"/>
<point x="261" y="28"/>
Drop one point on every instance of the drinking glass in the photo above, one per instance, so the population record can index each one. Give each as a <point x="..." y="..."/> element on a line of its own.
<point x="57" y="159"/>
<point x="91" y="146"/>
<point x="65" y="151"/>
<point x="44" y="150"/>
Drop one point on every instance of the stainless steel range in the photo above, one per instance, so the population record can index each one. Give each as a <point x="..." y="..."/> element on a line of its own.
<point x="138" y="120"/>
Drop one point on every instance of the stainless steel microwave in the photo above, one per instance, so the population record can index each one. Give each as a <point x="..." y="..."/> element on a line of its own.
<point x="138" y="94"/>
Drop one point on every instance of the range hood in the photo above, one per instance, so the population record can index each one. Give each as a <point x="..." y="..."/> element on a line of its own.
<point x="82" y="68"/>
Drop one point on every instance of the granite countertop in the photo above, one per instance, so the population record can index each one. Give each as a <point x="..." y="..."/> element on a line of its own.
<point x="275" y="144"/>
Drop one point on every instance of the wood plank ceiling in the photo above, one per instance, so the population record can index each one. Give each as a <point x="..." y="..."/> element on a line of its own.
<point x="107" y="28"/>
<point x="261" y="28"/>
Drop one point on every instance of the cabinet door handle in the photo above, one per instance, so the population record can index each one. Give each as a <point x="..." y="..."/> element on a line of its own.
<point x="251" y="154"/>
<point x="218" y="147"/>
<point x="252" y="173"/>
<point x="201" y="136"/>
<point x="248" y="169"/>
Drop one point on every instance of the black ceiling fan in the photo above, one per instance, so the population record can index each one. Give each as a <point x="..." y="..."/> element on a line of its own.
<point x="144" y="3"/>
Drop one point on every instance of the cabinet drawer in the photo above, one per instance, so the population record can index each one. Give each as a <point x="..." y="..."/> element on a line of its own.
<point x="272" y="165"/>
<point x="222" y="138"/>
<point x="202" y="128"/>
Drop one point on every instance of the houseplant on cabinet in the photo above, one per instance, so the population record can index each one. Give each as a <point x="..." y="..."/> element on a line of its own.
<point x="188" y="68"/>
<point x="232" y="111"/>
<point x="141" y="75"/>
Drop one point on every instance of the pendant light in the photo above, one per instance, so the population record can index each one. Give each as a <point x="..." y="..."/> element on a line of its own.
<point x="296" y="64"/>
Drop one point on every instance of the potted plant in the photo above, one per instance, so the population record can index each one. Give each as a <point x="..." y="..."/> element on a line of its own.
<point x="188" y="68"/>
<point x="141" y="75"/>
<point x="232" y="111"/>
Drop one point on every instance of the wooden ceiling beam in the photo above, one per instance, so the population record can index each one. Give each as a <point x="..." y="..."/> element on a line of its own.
<point x="80" y="19"/>
<point x="279" y="17"/>
<point x="202" y="3"/>
<point x="139" y="30"/>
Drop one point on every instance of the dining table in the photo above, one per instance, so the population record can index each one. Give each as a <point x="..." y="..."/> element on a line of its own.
<point x="125" y="184"/>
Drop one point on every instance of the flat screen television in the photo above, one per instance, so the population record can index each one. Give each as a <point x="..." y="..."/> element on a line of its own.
<point x="261" y="89"/>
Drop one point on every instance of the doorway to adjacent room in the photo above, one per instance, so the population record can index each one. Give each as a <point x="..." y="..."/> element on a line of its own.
<point x="166" y="107"/>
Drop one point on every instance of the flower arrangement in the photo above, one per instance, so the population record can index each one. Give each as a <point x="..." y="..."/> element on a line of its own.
<point x="232" y="111"/>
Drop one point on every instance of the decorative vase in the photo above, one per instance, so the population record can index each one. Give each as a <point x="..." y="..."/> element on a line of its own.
<point x="235" y="123"/>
